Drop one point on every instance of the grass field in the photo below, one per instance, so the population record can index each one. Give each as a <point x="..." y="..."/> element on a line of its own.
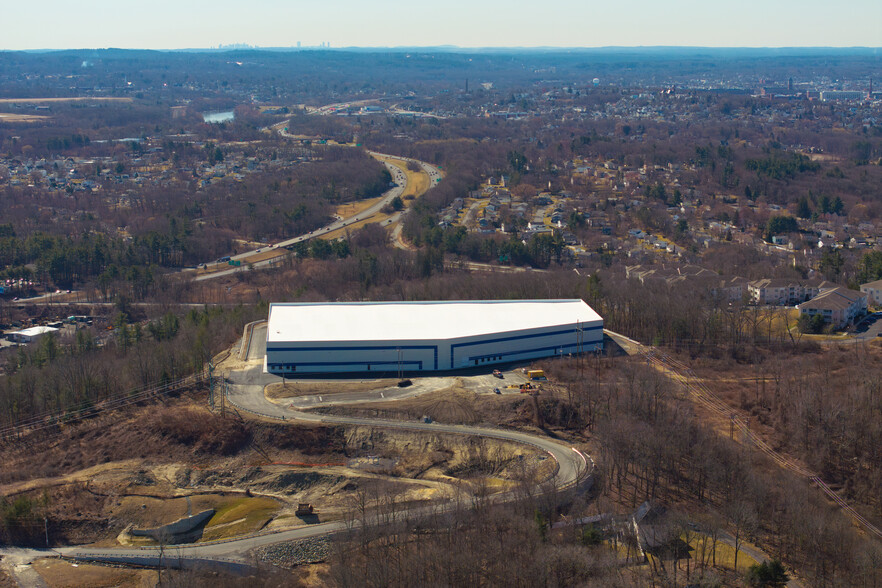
<point x="417" y="182"/>
<point x="354" y="208"/>
<point x="725" y="556"/>
<point x="374" y="218"/>
<point x="239" y="517"/>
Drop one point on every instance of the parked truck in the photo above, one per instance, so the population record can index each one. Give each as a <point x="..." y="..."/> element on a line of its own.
<point x="535" y="375"/>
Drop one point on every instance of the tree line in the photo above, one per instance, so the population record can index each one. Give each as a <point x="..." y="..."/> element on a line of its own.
<point x="56" y="375"/>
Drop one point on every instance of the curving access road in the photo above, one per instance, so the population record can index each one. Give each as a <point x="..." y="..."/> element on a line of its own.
<point x="245" y="392"/>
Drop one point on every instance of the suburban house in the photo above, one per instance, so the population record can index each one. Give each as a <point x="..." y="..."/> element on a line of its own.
<point x="839" y="306"/>
<point x="873" y="290"/>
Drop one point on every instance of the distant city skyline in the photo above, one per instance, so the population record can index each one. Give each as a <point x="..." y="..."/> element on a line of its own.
<point x="166" y="24"/>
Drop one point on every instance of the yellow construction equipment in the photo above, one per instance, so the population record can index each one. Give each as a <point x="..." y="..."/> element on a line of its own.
<point x="536" y="375"/>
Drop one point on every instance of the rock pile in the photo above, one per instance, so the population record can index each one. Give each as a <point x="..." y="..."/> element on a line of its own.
<point x="295" y="553"/>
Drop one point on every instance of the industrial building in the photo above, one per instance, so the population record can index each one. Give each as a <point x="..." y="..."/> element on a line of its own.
<point x="29" y="335"/>
<point x="411" y="337"/>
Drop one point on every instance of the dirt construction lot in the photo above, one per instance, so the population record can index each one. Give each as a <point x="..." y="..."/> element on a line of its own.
<point x="24" y="118"/>
<point x="73" y="99"/>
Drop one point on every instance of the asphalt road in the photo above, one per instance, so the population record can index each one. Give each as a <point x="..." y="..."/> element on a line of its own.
<point x="398" y="177"/>
<point x="868" y="329"/>
<point x="245" y="392"/>
<point x="257" y="342"/>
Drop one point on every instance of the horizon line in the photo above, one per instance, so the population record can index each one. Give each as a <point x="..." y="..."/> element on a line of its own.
<point x="489" y="48"/>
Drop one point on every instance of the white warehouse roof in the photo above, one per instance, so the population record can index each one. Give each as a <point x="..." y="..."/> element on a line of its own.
<point x="408" y="321"/>
<point x="34" y="331"/>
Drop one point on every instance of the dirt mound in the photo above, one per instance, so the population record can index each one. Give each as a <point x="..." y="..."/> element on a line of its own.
<point x="293" y="389"/>
<point x="308" y="440"/>
<point x="181" y="431"/>
<point x="454" y="404"/>
<point x="297" y="482"/>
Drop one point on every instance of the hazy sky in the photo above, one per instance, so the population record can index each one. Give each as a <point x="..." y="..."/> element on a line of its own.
<point x="173" y="24"/>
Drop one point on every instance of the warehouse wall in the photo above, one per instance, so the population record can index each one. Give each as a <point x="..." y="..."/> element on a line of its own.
<point x="522" y="345"/>
<point x="419" y="356"/>
<point x="352" y="356"/>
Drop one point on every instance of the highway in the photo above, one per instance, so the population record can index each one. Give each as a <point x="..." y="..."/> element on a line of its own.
<point x="399" y="179"/>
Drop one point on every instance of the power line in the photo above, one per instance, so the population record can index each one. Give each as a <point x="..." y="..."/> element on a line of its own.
<point x="706" y="397"/>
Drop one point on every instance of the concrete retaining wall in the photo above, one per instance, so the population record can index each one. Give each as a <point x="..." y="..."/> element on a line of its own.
<point x="185" y="530"/>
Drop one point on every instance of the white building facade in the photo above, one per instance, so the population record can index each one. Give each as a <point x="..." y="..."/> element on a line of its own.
<point x="873" y="290"/>
<point x="838" y="306"/>
<point x="417" y="337"/>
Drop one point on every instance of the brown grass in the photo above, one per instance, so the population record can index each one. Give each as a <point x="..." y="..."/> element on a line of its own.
<point x="454" y="404"/>
<point x="349" y="228"/>
<point x="155" y="432"/>
<point x="417" y="181"/>
<point x="203" y="431"/>
<point x="23" y="118"/>
<point x="351" y="209"/>
<point x="62" y="574"/>
<point x="294" y="389"/>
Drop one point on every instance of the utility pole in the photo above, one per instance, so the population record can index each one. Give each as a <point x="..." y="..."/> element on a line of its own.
<point x="210" y="385"/>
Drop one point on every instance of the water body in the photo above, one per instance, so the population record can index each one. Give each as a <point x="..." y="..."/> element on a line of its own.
<point x="218" y="117"/>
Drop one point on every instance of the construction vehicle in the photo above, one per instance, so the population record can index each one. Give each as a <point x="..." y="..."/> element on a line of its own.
<point x="304" y="509"/>
<point x="535" y="375"/>
<point x="528" y="388"/>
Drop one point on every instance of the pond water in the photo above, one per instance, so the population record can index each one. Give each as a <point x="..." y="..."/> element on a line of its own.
<point x="218" y="117"/>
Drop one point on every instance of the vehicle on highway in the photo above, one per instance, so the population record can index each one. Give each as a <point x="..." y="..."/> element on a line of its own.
<point x="223" y="259"/>
<point x="258" y="251"/>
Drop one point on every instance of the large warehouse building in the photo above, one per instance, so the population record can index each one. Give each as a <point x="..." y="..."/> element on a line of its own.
<point x="424" y="336"/>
